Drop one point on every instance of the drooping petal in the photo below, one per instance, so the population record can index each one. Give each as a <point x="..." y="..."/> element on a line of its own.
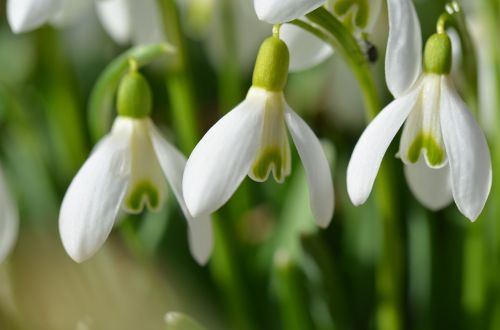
<point x="372" y="145"/>
<point x="115" y="17"/>
<point x="306" y="50"/>
<point x="94" y="198"/>
<point x="422" y="130"/>
<point x="146" y="22"/>
<point x="26" y="15"/>
<point x="173" y="163"/>
<point x="223" y="157"/>
<point x="468" y="153"/>
<point x="403" y="59"/>
<point x="316" y="166"/>
<point x="9" y="219"/>
<point x="430" y="186"/>
<point x="281" y="11"/>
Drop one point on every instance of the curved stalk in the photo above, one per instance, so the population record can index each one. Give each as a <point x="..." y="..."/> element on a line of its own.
<point x="102" y="96"/>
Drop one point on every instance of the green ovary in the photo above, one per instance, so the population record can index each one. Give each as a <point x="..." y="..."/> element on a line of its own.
<point x="359" y="8"/>
<point x="435" y="154"/>
<point x="269" y="159"/>
<point x="142" y="193"/>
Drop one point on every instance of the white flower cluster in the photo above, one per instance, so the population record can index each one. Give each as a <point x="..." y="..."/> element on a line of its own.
<point x="445" y="154"/>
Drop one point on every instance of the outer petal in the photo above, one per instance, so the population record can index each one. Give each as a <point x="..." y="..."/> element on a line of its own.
<point x="222" y="159"/>
<point x="9" y="219"/>
<point x="317" y="169"/>
<point x="403" y="59"/>
<point x="372" y="145"/>
<point x="26" y="15"/>
<point x="306" y="50"/>
<point x="173" y="163"/>
<point x="280" y="11"/>
<point x="431" y="187"/>
<point x="468" y="153"/>
<point x="94" y="198"/>
<point x="115" y="16"/>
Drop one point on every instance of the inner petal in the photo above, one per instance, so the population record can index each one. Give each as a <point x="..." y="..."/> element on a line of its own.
<point x="274" y="152"/>
<point x="147" y="182"/>
<point x="422" y="132"/>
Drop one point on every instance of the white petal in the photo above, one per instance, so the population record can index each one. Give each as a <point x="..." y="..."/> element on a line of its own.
<point x="9" y="219"/>
<point x="372" y="145"/>
<point x="115" y="18"/>
<point x="280" y="11"/>
<point x="317" y="169"/>
<point x="26" y="15"/>
<point x="223" y="157"/>
<point x="173" y="163"/>
<point x="306" y="50"/>
<point x="403" y="60"/>
<point x="146" y="20"/>
<point x="93" y="199"/>
<point x="431" y="187"/>
<point x="468" y="153"/>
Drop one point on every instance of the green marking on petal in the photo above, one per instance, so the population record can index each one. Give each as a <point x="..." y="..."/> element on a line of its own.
<point x="270" y="159"/>
<point x="435" y="154"/>
<point x="143" y="193"/>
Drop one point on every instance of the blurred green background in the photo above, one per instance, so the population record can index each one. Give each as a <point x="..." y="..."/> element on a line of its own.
<point x="272" y="267"/>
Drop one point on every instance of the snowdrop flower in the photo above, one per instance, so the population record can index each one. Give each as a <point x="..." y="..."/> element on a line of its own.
<point x="307" y="50"/>
<point x="9" y="219"/>
<point x="252" y="140"/>
<point x="445" y="153"/>
<point x="128" y="170"/>
<point x="126" y="21"/>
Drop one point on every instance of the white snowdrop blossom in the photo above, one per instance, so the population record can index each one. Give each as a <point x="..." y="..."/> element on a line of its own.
<point x="445" y="153"/>
<point x="9" y="219"/>
<point x="126" y="21"/>
<point x="128" y="171"/>
<point x="252" y="140"/>
<point x="307" y="50"/>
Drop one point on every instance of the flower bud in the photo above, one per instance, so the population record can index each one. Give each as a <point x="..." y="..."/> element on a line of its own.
<point x="437" y="54"/>
<point x="134" y="96"/>
<point x="271" y="67"/>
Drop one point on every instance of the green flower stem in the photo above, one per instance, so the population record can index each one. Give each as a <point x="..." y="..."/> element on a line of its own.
<point x="224" y="265"/>
<point x="292" y="293"/>
<point x="389" y="270"/>
<point x="346" y="45"/>
<point x="102" y="98"/>
<point x="335" y="293"/>
<point x="491" y="12"/>
<point x="230" y="77"/>
<point x="60" y="102"/>
<point x="179" y="80"/>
